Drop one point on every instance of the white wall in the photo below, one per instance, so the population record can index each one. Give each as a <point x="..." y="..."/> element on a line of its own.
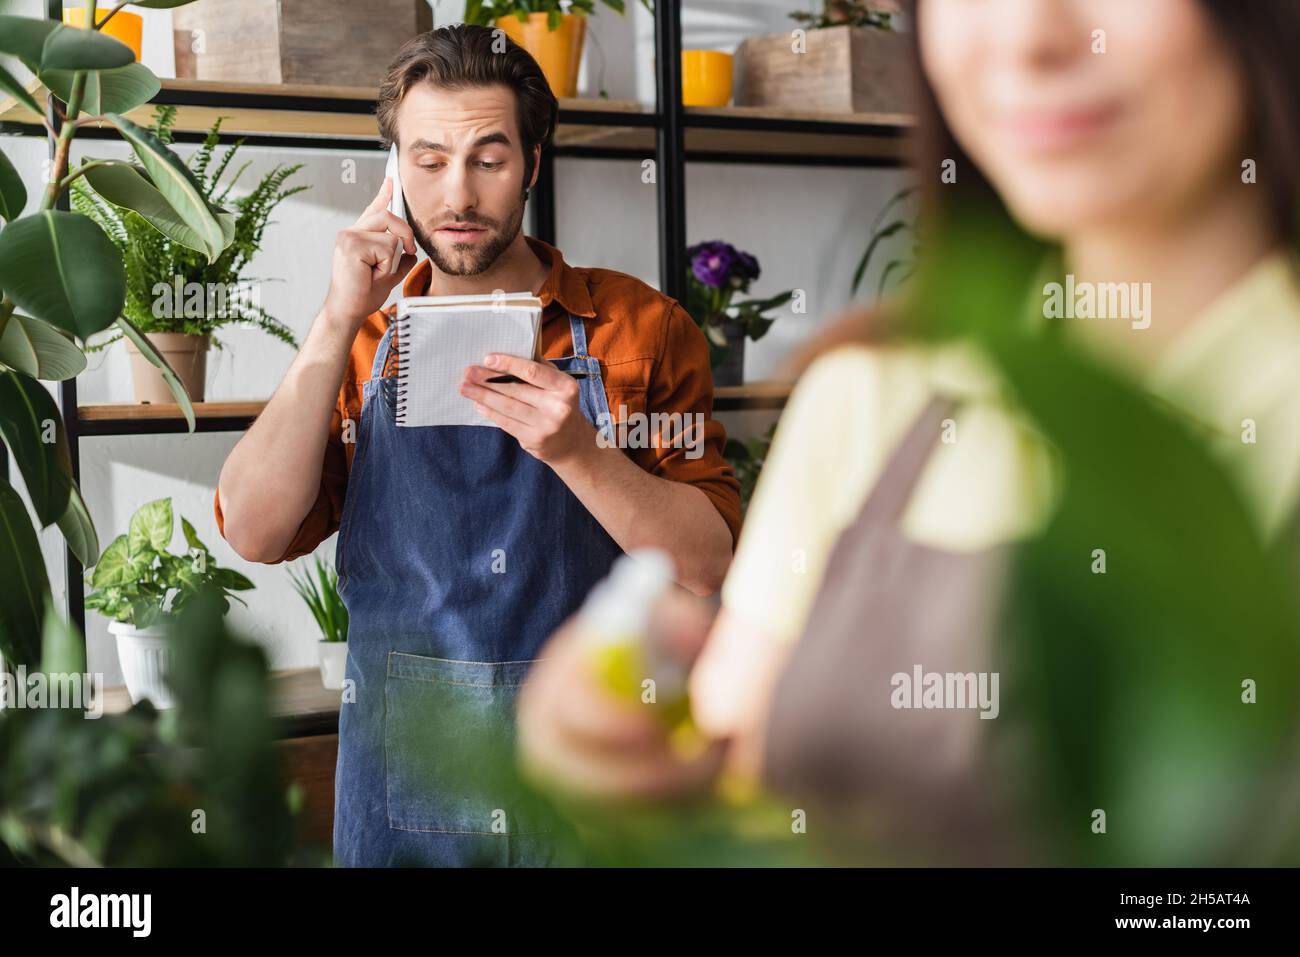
<point x="807" y="226"/>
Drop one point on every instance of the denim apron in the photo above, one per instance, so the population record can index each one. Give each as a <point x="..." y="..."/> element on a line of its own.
<point x="458" y="555"/>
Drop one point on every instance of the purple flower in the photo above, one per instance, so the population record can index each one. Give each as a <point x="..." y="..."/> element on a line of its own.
<point x="747" y="266"/>
<point x="712" y="262"/>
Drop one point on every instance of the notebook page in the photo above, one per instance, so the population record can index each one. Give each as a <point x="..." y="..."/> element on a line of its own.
<point x="436" y="344"/>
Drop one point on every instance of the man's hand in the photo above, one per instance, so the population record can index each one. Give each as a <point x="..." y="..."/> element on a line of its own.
<point x="368" y="262"/>
<point x="541" y="411"/>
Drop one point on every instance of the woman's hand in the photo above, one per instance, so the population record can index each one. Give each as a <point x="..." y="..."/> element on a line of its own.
<point x="578" y="739"/>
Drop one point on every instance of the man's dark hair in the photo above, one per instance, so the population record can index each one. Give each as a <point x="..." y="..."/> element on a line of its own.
<point x="462" y="56"/>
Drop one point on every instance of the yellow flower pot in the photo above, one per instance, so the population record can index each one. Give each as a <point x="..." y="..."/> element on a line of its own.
<point x="558" y="52"/>
<point x="706" y="77"/>
<point x="127" y="27"/>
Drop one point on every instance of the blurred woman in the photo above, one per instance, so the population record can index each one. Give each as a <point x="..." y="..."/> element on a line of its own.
<point x="1157" y="144"/>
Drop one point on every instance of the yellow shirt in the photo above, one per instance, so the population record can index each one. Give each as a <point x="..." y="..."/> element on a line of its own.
<point x="991" y="480"/>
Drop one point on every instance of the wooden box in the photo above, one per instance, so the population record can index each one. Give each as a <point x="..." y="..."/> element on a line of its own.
<point x="315" y="42"/>
<point x="841" y="70"/>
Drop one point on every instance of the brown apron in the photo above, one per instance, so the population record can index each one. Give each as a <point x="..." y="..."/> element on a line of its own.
<point x="880" y="781"/>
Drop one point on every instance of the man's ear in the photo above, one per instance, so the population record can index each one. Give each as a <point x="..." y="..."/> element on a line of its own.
<point x="537" y="165"/>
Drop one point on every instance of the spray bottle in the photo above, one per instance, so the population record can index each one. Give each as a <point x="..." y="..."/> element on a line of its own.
<point x="627" y="652"/>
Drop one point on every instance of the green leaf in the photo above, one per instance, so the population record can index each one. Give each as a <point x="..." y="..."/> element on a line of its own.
<point x="33" y="427"/>
<point x="72" y="48"/>
<point x="25" y="38"/>
<point x="128" y="186"/>
<point x="191" y="537"/>
<point x="62" y="650"/>
<point x="117" y="566"/>
<point x="229" y="578"/>
<point x="9" y="83"/>
<point x="107" y="91"/>
<point x="227" y="221"/>
<point x="174" y="180"/>
<point x="13" y="194"/>
<point x="79" y="529"/>
<point x="60" y="267"/>
<point x="22" y="569"/>
<point x="39" y="350"/>
<point x="155" y="358"/>
<point x="151" y="527"/>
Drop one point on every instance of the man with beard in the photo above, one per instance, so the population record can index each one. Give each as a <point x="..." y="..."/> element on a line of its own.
<point x="461" y="548"/>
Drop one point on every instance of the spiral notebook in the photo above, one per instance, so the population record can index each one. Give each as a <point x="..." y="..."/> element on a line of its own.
<point x="438" y="336"/>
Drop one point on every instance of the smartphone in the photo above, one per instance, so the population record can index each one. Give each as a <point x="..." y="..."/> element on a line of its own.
<point x="396" y="205"/>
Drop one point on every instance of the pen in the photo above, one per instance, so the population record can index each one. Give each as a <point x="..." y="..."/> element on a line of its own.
<point x="511" y="378"/>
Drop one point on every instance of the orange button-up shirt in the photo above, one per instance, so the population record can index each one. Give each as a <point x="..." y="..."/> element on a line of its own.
<point x="653" y="358"/>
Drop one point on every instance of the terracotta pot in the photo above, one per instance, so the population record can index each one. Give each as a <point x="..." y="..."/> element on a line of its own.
<point x="558" y="52"/>
<point x="187" y="354"/>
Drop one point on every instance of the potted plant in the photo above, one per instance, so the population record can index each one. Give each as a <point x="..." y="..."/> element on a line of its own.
<point x="849" y="57"/>
<point x="904" y="221"/>
<point x="321" y="593"/>
<point x="175" y="294"/>
<point x="716" y="272"/>
<point x="553" y="31"/>
<point x="61" y="281"/>
<point x="140" y="584"/>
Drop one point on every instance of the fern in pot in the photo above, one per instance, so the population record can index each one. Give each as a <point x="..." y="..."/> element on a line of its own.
<point x="140" y="584"/>
<point x="320" y="590"/>
<point x="174" y="293"/>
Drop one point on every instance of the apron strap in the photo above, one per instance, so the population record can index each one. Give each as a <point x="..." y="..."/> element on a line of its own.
<point x="381" y="354"/>
<point x="579" y="333"/>
<point x="903" y="468"/>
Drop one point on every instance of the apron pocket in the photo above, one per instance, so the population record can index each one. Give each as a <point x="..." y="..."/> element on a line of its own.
<point x="449" y="748"/>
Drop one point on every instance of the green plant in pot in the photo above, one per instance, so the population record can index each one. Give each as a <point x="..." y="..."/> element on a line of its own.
<point x="849" y="13"/>
<point x="553" y="31"/>
<point x="320" y="590"/>
<point x="716" y="271"/>
<point x="895" y="219"/>
<point x="139" y="583"/>
<point x="174" y="293"/>
<point x="62" y="281"/>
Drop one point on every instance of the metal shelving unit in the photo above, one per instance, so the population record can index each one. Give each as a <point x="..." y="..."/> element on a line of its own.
<point x="341" y="118"/>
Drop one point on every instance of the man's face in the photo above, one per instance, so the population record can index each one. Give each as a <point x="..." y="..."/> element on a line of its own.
<point x="462" y="167"/>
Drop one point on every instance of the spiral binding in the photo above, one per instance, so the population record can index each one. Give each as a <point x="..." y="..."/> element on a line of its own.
<point x="401" y="347"/>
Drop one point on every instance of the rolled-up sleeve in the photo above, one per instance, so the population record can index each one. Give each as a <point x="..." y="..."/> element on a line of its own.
<point x="681" y="388"/>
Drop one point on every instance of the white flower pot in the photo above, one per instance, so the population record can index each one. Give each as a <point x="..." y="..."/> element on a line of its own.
<point x="333" y="656"/>
<point x="146" y="662"/>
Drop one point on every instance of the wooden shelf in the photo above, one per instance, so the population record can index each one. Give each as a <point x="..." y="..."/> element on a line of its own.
<point x="298" y="699"/>
<point x="593" y="127"/>
<point x="149" y="419"/>
<point x="752" y="395"/>
<point x="138" y="418"/>
<point x="101" y="412"/>
<point x="290" y="110"/>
